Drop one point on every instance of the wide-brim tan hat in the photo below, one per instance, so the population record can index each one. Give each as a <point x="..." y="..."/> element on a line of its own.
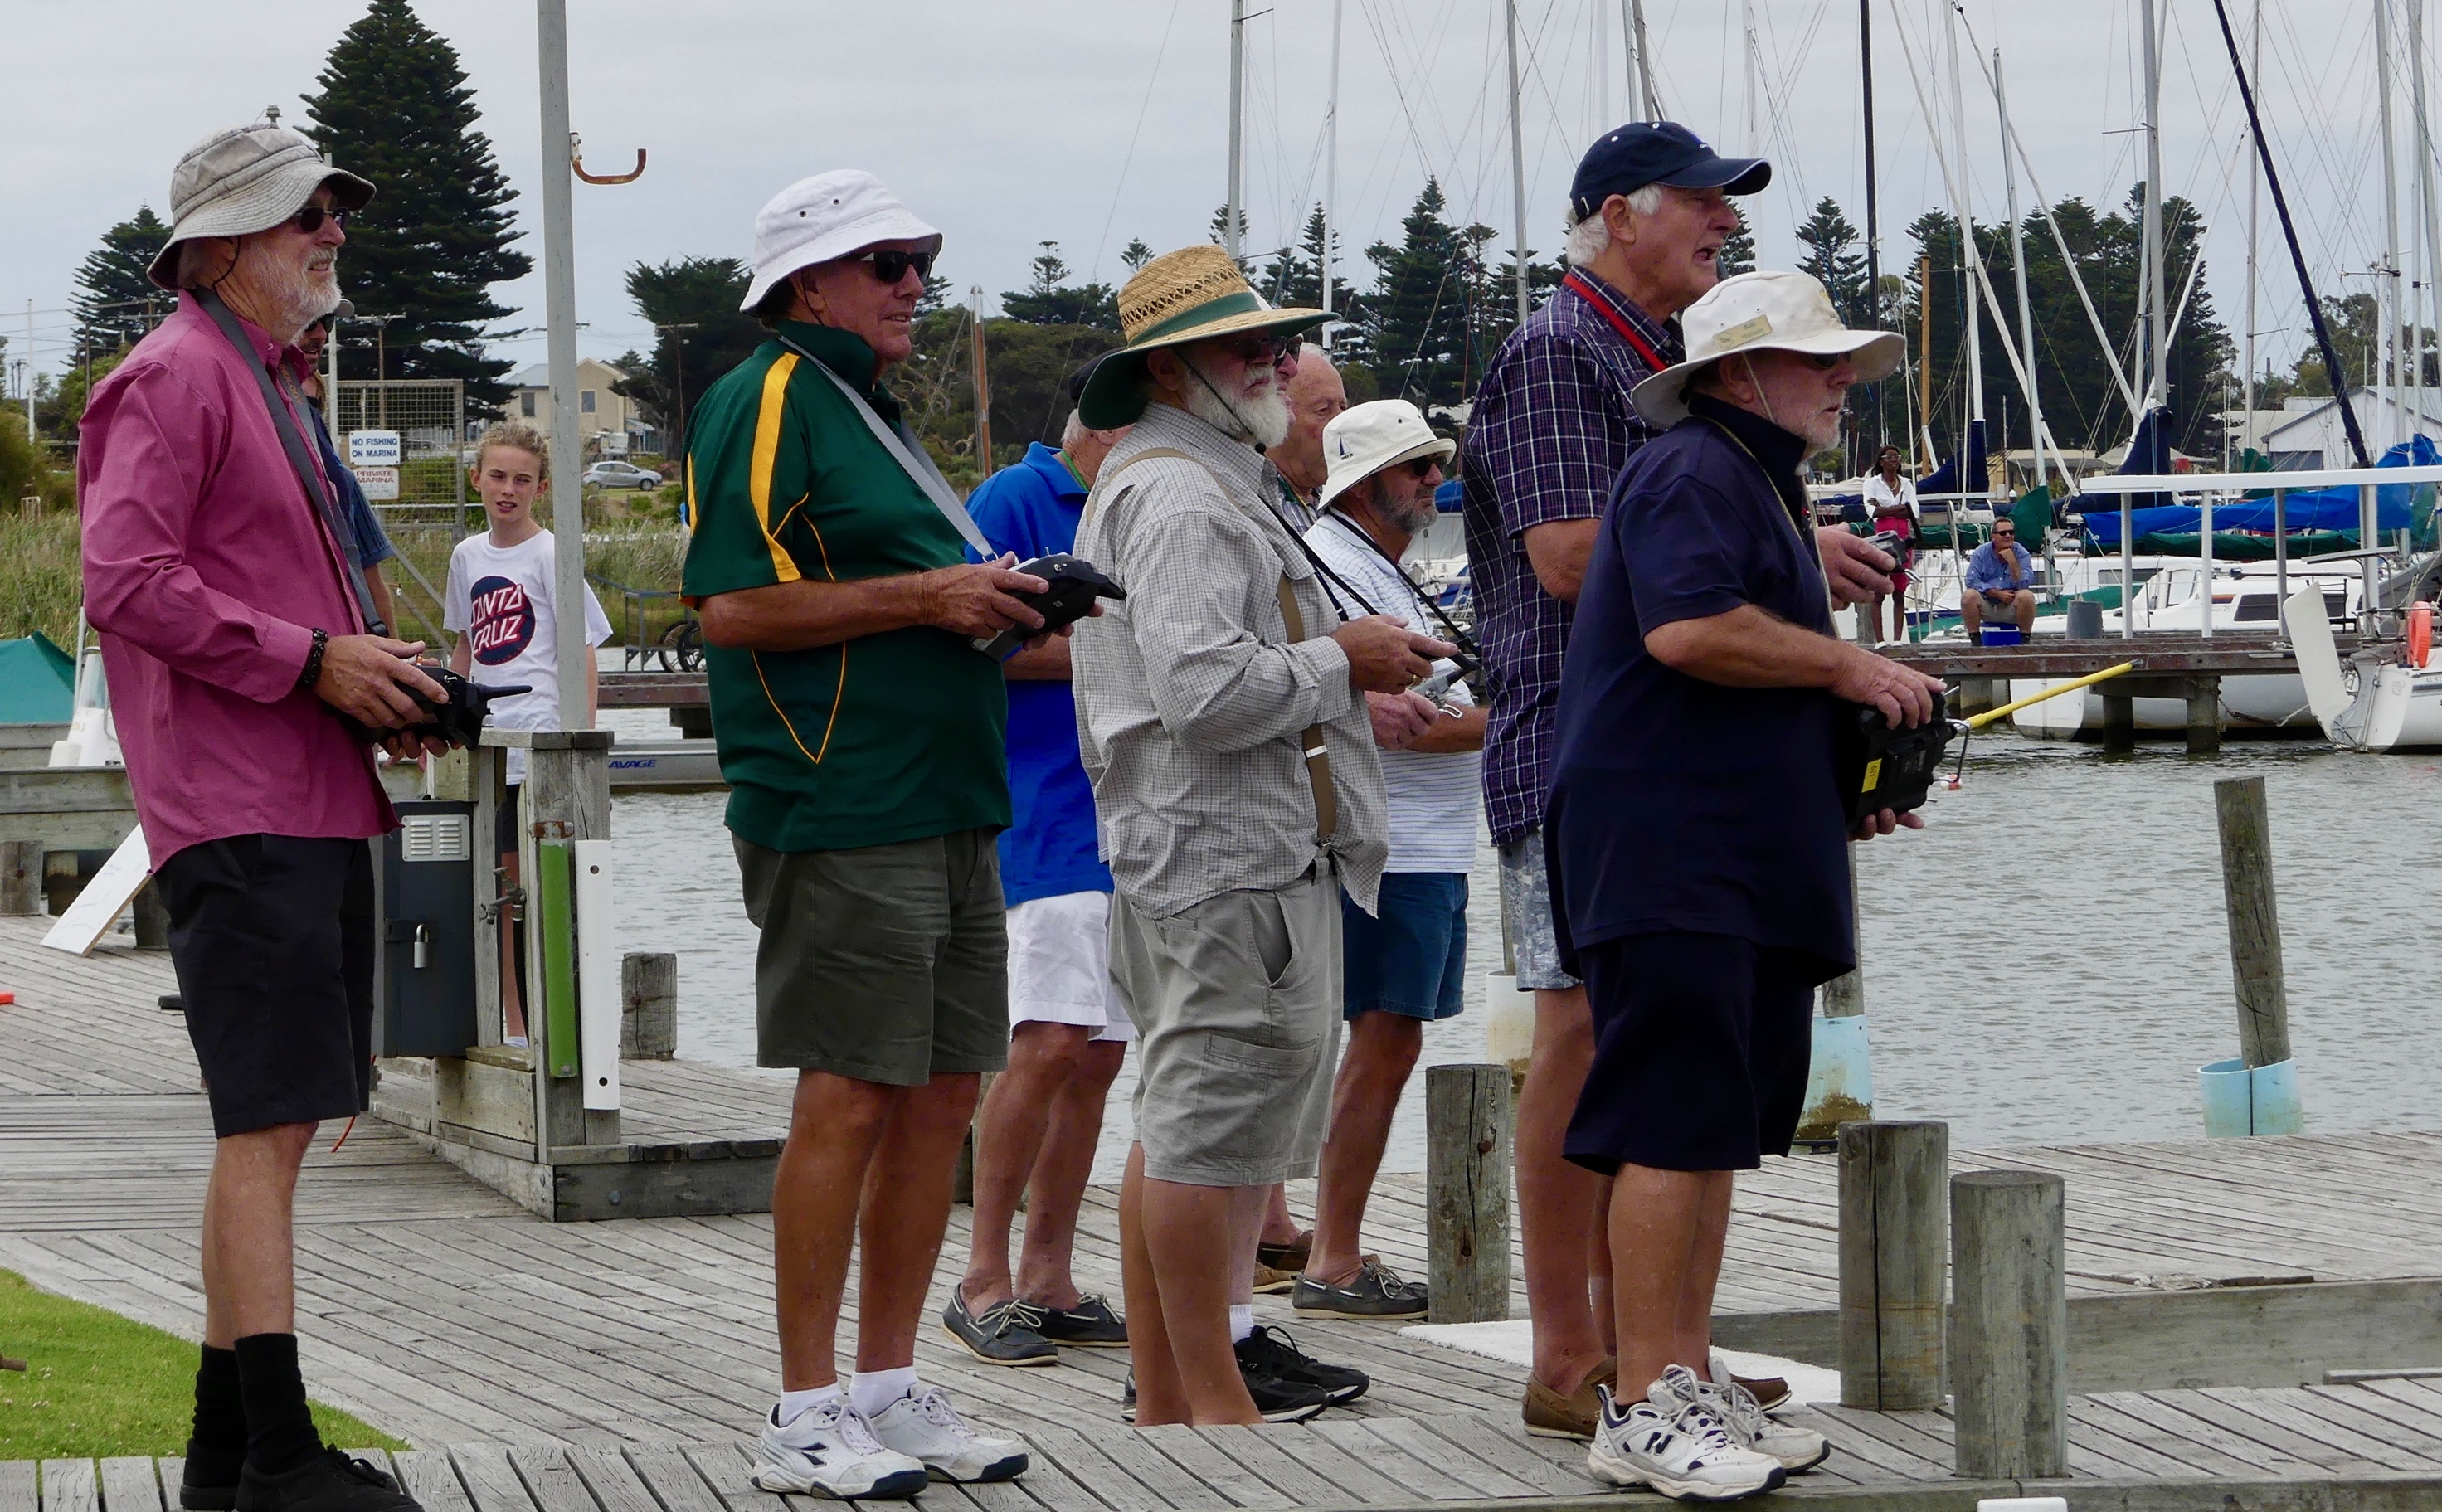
<point x="1762" y="312"/>
<point x="246" y="179"/>
<point x="1365" y="438"/>
<point x="1180" y="297"/>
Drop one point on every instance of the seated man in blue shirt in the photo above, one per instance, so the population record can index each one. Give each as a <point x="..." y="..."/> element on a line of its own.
<point x="1694" y="837"/>
<point x="1068" y="1032"/>
<point x="2000" y="583"/>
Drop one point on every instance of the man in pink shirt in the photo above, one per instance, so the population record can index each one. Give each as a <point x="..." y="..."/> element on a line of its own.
<point x="233" y="640"/>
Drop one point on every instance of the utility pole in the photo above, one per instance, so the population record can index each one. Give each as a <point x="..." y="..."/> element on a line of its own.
<point x="1517" y="170"/>
<point x="983" y="384"/>
<point x="26" y="374"/>
<point x="1237" y="133"/>
<point x="677" y="333"/>
<point x="559" y="305"/>
<point x="381" y="362"/>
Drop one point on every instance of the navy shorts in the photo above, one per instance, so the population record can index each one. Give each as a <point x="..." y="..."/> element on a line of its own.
<point x="1701" y="1050"/>
<point x="1411" y="960"/>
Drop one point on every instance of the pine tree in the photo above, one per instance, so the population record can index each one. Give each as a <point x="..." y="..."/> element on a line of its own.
<point x="114" y="297"/>
<point x="1832" y="258"/>
<point x="1416" y="315"/>
<point x="394" y="107"/>
<point x="701" y="293"/>
<point x="1738" y="253"/>
<point x="1136" y="254"/>
<point x="1050" y="301"/>
<point x="1216" y="232"/>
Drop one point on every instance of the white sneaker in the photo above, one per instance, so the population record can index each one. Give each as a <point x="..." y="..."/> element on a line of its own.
<point x="1796" y="1450"/>
<point x="924" y="1427"/>
<point x="1688" y="1455"/>
<point x="828" y="1450"/>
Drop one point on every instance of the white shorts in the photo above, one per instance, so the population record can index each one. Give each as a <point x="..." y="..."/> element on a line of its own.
<point x="1060" y="965"/>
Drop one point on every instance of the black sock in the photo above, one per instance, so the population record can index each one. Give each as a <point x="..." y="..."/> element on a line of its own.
<point x="279" y="1430"/>
<point x="216" y="1446"/>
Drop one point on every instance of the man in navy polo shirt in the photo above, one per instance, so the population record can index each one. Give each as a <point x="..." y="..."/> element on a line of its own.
<point x="1552" y="427"/>
<point x="1695" y="835"/>
<point x="1068" y="1032"/>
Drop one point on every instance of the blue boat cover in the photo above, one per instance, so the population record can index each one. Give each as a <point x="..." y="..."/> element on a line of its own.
<point x="2314" y="509"/>
<point x="37" y="682"/>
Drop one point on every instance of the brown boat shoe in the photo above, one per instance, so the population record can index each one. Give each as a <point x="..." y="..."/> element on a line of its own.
<point x="1292" y="1257"/>
<point x="1549" y="1415"/>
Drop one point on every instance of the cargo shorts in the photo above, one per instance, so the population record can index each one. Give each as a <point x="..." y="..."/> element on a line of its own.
<point x="1237" y="1006"/>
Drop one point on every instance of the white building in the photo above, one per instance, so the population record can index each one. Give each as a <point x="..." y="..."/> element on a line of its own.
<point x="2309" y="433"/>
<point x="610" y="423"/>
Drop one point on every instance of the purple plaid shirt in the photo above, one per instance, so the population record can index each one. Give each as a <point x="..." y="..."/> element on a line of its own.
<point x="1550" y="428"/>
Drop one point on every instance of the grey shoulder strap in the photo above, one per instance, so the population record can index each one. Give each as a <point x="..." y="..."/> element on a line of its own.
<point x="910" y="456"/>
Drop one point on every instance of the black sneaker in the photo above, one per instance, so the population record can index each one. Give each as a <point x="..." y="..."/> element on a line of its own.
<point x="219" y="1496"/>
<point x="330" y="1481"/>
<point x="1009" y="1334"/>
<point x="1280" y="1401"/>
<point x="1090" y="1325"/>
<point x="1268" y="1352"/>
<point x="1374" y="1291"/>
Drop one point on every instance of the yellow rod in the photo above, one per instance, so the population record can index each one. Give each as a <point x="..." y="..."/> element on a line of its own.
<point x="2091" y="678"/>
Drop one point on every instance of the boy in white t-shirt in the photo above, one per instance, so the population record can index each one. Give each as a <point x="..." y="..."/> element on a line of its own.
<point x="500" y="603"/>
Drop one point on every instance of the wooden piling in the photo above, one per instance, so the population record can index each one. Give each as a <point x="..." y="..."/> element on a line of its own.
<point x="1467" y="1131"/>
<point x="2204" y="714"/>
<point x="151" y="918"/>
<point x="21" y="877"/>
<point x="648" y="1014"/>
<point x="2119" y="722"/>
<point x="2009" y="1325"/>
<point x="1894" y="1242"/>
<point x="2255" y="922"/>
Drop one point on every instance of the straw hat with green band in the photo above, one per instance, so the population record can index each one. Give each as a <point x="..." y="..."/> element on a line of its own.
<point x="1194" y="294"/>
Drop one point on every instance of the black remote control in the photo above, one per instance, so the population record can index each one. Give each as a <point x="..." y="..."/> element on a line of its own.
<point x="1075" y="584"/>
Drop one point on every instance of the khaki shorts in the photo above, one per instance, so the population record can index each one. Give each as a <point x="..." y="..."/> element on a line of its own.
<point x="1237" y="1004"/>
<point x="886" y="963"/>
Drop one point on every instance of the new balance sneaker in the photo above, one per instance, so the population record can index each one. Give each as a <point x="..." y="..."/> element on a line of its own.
<point x="1375" y="1291"/>
<point x="1090" y="1325"/>
<point x="924" y="1427"/>
<point x="828" y="1450"/>
<point x="1687" y="1456"/>
<point x="1008" y="1334"/>
<point x="1795" y="1449"/>
<point x="1270" y="1350"/>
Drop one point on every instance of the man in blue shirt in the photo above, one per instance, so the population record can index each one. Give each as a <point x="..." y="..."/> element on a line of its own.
<point x="368" y="545"/>
<point x="1695" y="845"/>
<point x="2000" y="583"/>
<point x="1067" y="1031"/>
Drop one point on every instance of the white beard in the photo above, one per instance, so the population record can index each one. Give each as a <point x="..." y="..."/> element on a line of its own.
<point x="1262" y="418"/>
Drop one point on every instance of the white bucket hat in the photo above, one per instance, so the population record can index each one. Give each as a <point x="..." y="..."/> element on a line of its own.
<point x="1762" y="312"/>
<point x="1365" y="438"/>
<point x="827" y="217"/>
<point x="243" y="181"/>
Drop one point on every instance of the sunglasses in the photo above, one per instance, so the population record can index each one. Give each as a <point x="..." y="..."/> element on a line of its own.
<point x="310" y="219"/>
<point x="1421" y="467"/>
<point x="890" y="266"/>
<point x="1265" y="350"/>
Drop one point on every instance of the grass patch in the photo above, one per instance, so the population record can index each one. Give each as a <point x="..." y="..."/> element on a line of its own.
<point x="41" y="575"/>
<point x="97" y="1384"/>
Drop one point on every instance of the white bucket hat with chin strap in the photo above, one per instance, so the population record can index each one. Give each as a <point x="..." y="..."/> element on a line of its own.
<point x="1762" y="312"/>
<point x="246" y="179"/>
<point x="828" y="216"/>
<point x="1365" y="438"/>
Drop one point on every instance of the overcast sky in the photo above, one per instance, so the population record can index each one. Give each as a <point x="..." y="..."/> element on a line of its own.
<point x="1008" y="122"/>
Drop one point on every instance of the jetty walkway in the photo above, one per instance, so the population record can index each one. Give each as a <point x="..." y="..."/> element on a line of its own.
<point x="617" y="1366"/>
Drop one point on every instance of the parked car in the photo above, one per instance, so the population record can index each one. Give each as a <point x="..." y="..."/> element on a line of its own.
<point x="621" y="475"/>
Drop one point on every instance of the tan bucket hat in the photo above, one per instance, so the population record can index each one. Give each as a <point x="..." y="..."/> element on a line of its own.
<point x="1762" y="312"/>
<point x="243" y="181"/>
<point x="1191" y="295"/>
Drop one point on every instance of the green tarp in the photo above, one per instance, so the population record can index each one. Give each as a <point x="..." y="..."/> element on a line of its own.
<point x="37" y="682"/>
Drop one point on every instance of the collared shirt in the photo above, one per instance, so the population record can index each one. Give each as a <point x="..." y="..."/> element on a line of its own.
<point x="206" y="569"/>
<point x="1880" y="497"/>
<point x="1680" y="805"/>
<point x="1295" y="508"/>
<point x="1192" y="701"/>
<point x="1985" y="573"/>
<point x="887" y="737"/>
<point x="1049" y="848"/>
<point x="1550" y="429"/>
<point x="368" y="543"/>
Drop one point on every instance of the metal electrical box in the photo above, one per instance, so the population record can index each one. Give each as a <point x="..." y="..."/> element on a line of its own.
<point x="424" y="987"/>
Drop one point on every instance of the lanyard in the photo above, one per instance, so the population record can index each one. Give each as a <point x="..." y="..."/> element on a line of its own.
<point x="907" y="452"/>
<point x="1619" y="322"/>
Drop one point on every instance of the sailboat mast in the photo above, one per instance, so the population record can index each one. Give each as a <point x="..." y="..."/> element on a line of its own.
<point x="2387" y="276"/>
<point x="2429" y="214"/>
<point x="2018" y="267"/>
<point x="2255" y="47"/>
<point x="1966" y="250"/>
<point x="2157" y="387"/>
<point x="1237" y="125"/>
<point x="1331" y="171"/>
<point x="1649" y="105"/>
<point x="1747" y="70"/>
<point x="1873" y="311"/>
<point x="1518" y="171"/>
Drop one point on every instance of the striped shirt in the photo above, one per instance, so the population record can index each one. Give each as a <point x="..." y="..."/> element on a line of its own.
<point x="1550" y="428"/>
<point x="1435" y="796"/>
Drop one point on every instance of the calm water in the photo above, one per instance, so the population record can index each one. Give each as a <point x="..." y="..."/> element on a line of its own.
<point x="2045" y="962"/>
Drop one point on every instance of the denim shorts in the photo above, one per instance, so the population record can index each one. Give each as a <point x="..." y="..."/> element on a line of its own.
<point x="1533" y="939"/>
<point x="1412" y="960"/>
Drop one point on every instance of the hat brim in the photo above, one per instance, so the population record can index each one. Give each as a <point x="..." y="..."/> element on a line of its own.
<point x="1114" y="397"/>
<point x="258" y="207"/>
<point x="1662" y="399"/>
<point x="1442" y="448"/>
<point x="893" y="225"/>
<point x="1732" y="175"/>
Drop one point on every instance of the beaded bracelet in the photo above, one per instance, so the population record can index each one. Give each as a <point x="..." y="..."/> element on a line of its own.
<point x="313" y="672"/>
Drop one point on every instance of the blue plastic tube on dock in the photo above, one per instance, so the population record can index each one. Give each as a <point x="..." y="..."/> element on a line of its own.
<point x="2238" y="1102"/>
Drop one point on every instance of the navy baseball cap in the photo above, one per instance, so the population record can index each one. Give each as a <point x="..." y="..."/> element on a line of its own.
<point x="1658" y="152"/>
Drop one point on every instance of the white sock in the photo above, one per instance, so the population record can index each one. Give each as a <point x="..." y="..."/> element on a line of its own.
<point x="794" y="1404"/>
<point x="1242" y="1321"/>
<point x="870" y="1391"/>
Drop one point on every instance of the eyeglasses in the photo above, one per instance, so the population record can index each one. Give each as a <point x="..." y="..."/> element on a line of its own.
<point x="1266" y="349"/>
<point x="310" y="219"/>
<point x="890" y="265"/>
<point x="1421" y="467"/>
<point x="1824" y="361"/>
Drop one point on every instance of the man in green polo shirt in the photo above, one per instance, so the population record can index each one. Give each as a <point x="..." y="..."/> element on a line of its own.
<point x="859" y="730"/>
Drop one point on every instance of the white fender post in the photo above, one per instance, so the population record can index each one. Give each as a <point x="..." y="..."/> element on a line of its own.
<point x="599" y="999"/>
